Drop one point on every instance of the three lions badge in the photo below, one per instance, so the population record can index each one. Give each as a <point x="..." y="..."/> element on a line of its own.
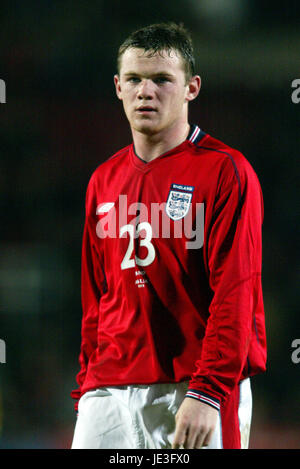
<point x="179" y="201"/>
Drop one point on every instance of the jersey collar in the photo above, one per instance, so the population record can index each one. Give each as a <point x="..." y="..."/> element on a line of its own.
<point x="194" y="136"/>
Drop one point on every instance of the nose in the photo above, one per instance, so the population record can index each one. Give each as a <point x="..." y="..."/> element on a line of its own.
<point x="145" y="90"/>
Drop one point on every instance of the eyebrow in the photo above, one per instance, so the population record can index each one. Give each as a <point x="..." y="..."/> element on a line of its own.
<point x="154" y="75"/>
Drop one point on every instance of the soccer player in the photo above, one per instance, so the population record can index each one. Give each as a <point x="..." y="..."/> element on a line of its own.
<point x="173" y="318"/>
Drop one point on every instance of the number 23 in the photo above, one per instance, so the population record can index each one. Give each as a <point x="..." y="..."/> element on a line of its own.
<point x="128" y="262"/>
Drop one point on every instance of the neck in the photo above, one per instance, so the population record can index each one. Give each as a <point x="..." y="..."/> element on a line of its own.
<point x="150" y="146"/>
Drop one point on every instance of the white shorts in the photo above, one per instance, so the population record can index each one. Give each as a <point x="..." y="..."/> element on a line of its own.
<point x="141" y="417"/>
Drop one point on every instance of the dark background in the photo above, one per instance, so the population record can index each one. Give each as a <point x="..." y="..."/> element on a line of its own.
<point x="62" y="118"/>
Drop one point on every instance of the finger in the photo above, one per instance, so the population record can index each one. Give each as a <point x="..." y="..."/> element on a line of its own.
<point x="178" y="444"/>
<point x="200" y="441"/>
<point x="179" y="438"/>
<point x="206" y="441"/>
<point x="208" y="438"/>
<point x="191" y="438"/>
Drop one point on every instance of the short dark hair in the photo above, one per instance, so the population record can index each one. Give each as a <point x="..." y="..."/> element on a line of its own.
<point x="162" y="37"/>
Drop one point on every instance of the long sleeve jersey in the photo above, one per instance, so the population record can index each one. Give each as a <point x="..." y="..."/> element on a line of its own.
<point x="171" y="271"/>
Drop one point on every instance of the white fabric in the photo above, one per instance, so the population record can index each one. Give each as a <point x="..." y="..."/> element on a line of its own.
<point x="141" y="417"/>
<point x="245" y="412"/>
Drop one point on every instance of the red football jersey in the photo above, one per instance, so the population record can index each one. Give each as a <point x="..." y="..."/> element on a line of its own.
<point x="171" y="271"/>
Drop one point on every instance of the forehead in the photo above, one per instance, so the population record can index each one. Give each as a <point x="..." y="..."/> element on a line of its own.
<point x="138" y="60"/>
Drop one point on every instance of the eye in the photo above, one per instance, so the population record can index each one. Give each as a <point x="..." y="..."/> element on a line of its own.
<point x="161" y="80"/>
<point x="133" y="79"/>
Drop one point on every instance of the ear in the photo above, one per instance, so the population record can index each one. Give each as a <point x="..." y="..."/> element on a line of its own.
<point x="193" y="88"/>
<point x="118" y="86"/>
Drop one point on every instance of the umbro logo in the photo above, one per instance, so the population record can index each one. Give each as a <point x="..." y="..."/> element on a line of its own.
<point x="104" y="208"/>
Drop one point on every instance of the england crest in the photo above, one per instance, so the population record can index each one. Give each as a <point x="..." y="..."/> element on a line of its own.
<point x="179" y="201"/>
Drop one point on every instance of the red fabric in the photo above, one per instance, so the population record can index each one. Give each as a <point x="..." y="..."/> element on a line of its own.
<point x="199" y="315"/>
<point x="231" y="436"/>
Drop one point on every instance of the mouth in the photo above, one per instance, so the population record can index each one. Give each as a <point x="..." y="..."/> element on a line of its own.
<point x="145" y="110"/>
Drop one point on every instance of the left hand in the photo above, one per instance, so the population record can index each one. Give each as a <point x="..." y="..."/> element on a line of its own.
<point x="195" y="424"/>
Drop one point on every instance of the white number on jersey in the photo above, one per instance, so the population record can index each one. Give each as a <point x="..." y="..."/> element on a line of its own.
<point x="128" y="262"/>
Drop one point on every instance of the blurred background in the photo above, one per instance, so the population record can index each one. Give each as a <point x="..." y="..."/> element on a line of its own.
<point x="61" y="119"/>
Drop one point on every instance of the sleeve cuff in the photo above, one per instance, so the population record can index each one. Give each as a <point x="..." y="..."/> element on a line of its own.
<point x="203" y="397"/>
<point x="76" y="396"/>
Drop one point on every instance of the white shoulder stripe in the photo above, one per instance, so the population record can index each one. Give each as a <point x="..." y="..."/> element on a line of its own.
<point x="195" y="134"/>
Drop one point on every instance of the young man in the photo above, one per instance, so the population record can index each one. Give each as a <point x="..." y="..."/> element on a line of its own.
<point x="173" y="317"/>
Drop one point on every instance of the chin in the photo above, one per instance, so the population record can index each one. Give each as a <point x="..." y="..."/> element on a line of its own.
<point x="146" y="128"/>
